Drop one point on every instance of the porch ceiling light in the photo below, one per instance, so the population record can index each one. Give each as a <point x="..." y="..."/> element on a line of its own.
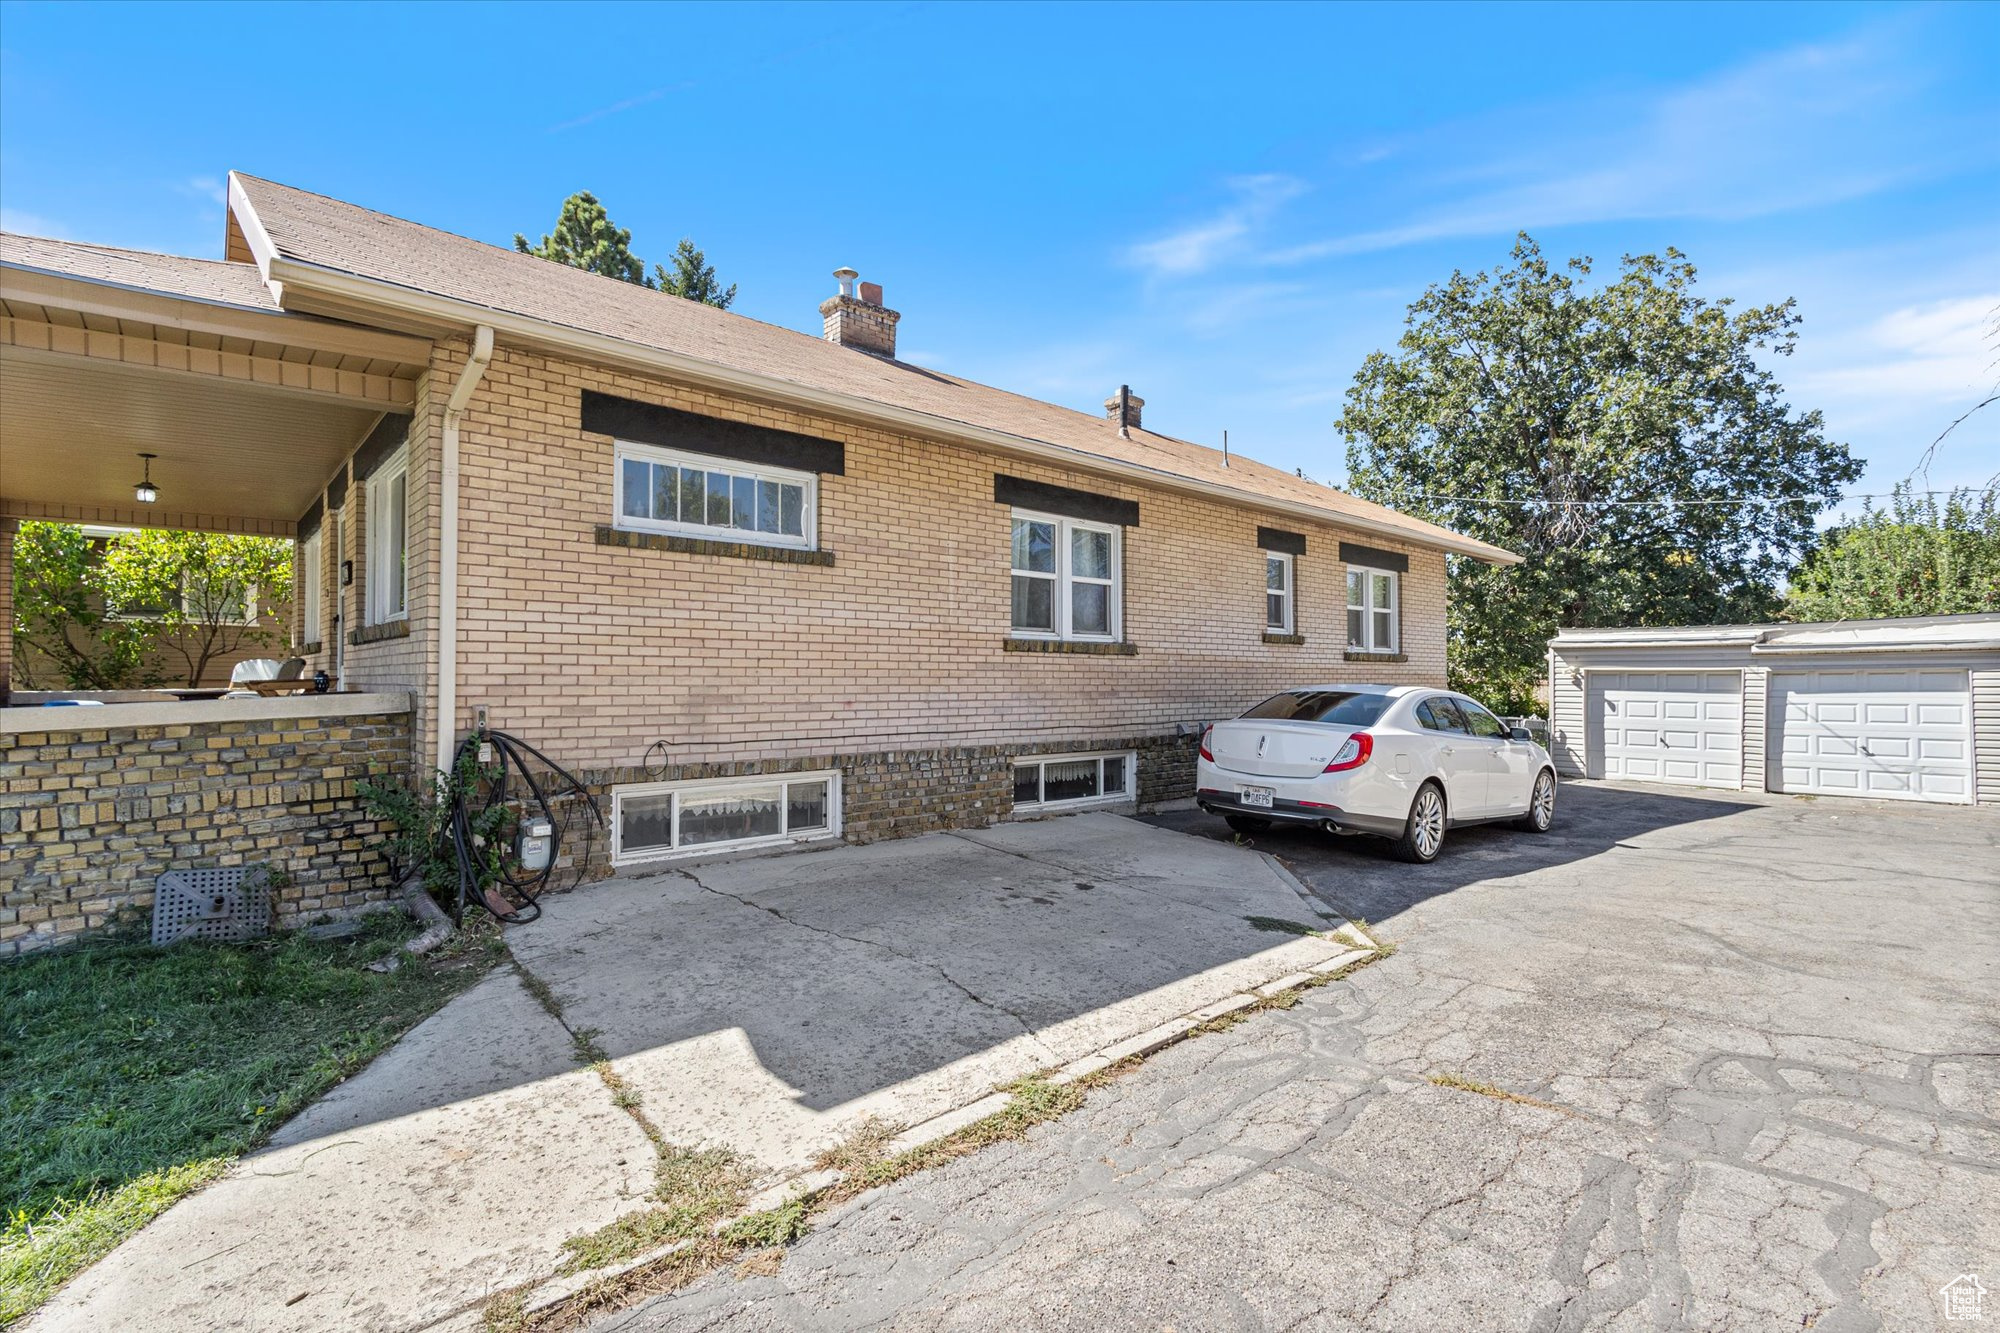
<point x="146" y="492"/>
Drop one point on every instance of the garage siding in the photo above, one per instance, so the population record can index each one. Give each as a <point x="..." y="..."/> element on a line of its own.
<point x="1566" y="728"/>
<point x="1986" y="736"/>
<point x="1756" y="726"/>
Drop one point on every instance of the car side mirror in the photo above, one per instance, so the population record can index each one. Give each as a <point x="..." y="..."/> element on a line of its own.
<point x="1520" y="734"/>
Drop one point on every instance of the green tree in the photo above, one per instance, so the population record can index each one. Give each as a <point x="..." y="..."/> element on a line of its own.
<point x="1625" y="439"/>
<point x="1915" y="558"/>
<point x="693" y="277"/>
<point x="586" y="238"/>
<point x="65" y="634"/>
<point x="203" y="592"/>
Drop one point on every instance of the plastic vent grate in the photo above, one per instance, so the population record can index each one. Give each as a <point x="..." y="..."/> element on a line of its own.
<point x="217" y="904"/>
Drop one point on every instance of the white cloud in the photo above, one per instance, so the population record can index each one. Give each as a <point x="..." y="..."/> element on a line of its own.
<point x="31" y="224"/>
<point x="1201" y="245"/>
<point x="212" y="188"/>
<point x="1806" y="127"/>
<point x="1915" y="359"/>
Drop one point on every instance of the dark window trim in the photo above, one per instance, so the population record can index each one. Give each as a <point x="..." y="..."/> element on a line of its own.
<point x="1073" y="647"/>
<point x="308" y="522"/>
<point x="1374" y="558"/>
<point x="388" y="629"/>
<point x="672" y="428"/>
<point x="661" y="541"/>
<point x="388" y="436"/>
<point x="1282" y="542"/>
<point x="1025" y="494"/>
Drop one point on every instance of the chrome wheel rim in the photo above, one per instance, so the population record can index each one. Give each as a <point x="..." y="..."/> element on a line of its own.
<point x="1545" y="801"/>
<point x="1427" y="823"/>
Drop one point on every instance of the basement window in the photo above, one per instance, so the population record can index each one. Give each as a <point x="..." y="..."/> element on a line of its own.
<point x="656" y="821"/>
<point x="1055" y="782"/>
<point x="718" y="499"/>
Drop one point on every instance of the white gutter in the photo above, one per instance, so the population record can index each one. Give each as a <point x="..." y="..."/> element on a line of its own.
<point x="1567" y="646"/>
<point x="447" y="674"/>
<point x="279" y="270"/>
<point x="1906" y="646"/>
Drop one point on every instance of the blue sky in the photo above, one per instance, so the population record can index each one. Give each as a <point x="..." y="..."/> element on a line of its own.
<point x="1226" y="208"/>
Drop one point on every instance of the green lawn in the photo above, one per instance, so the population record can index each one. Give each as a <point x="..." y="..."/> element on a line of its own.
<point x="130" y="1075"/>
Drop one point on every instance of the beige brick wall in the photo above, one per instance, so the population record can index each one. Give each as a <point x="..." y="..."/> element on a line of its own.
<point x="593" y="652"/>
<point x="90" y="818"/>
<point x="408" y="662"/>
<point x="8" y="527"/>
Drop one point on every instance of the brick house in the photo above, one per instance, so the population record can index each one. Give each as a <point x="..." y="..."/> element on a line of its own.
<point x="761" y="585"/>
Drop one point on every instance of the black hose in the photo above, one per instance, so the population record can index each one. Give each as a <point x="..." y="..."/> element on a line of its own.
<point x="511" y="894"/>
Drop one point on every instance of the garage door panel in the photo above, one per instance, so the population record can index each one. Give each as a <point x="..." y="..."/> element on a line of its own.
<point x="1674" y="727"/>
<point x="1897" y="735"/>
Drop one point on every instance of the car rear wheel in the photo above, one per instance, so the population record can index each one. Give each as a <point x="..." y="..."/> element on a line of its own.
<point x="1247" y="823"/>
<point x="1541" y="806"/>
<point x="1423" y="831"/>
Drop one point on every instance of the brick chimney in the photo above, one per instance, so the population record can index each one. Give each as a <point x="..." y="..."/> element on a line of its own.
<point x="1123" y="408"/>
<point x="861" y="322"/>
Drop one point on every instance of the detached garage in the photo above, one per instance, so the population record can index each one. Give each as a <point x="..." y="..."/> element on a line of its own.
<point x="1903" y="710"/>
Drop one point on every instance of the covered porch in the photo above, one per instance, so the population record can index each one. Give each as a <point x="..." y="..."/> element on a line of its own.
<point x="258" y="422"/>
<point x="250" y="414"/>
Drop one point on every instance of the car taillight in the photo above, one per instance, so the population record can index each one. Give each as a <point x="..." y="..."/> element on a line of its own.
<point x="1206" y="732"/>
<point x="1353" y="754"/>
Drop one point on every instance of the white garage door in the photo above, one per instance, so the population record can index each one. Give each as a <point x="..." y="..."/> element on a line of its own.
<point x="1898" y="735"/>
<point x="1668" y="726"/>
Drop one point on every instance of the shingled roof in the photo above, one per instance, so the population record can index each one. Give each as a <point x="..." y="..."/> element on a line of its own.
<point x="310" y="236"/>
<point x="207" y="280"/>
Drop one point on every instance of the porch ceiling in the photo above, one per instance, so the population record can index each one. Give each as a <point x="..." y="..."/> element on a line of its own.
<point x="71" y="432"/>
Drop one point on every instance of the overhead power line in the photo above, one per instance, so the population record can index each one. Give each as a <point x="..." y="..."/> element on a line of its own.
<point x="1684" y="501"/>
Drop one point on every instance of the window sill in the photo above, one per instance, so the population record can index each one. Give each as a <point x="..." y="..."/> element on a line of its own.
<point x="1284" y="638"/>
<point x="660" y="541"/>
<point x="307" y="650"/>
<point x="392" y="629"/>
<point x="1079" y="647"/>
<point x="1356" y="655"/>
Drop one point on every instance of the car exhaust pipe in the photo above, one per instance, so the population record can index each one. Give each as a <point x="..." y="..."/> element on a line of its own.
<point x="1328" y="826"/>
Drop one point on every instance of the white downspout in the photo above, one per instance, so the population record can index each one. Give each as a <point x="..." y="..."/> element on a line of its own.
<point x="447" y="677"/>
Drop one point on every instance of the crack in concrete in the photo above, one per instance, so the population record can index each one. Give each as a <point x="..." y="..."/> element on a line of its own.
<point x="1027" y="1027"/>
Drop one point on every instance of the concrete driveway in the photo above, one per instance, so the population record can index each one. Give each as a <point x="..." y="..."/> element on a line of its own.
<point x="1758" y="1043"/>
<point x="765" y="1004"/>
<point x="772" y="1004"/>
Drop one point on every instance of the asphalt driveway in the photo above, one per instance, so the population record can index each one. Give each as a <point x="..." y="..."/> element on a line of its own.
<point x="1755" y="1043"/>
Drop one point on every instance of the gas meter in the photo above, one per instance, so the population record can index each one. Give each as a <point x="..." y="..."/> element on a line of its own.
<point x="534" y="843"/>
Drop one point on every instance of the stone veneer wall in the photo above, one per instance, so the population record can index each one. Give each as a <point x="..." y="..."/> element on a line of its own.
<point x="896" y="793"/>
<point x="94" y="807"/>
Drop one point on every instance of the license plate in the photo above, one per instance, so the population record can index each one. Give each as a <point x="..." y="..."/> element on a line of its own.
<point x="1257" y="796"/>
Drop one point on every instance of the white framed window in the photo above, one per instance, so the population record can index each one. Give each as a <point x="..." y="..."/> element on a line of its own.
<point x="1371" y="610"/>
<point x="695" y="495"/>
<point x="388" y="522"/>
<point x="657" y="821"/>
<point x="1067" y="576"/>
<point x="1050" y="782"/>
<point x="312" y="565"/>
<point x="1279" y="571"/>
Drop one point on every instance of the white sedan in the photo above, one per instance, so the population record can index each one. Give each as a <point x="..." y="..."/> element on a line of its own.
<point x="1404" y="762"/>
